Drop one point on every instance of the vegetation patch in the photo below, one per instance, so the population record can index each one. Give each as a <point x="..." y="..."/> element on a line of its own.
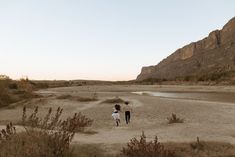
<point x="142" y="148"/>
<point x="114" y="100"/>
<point x="201" y="149"/>
<point x="65" y="96"/>
<point x="174" y="119"/>
<point x="89" y="150"/>
<point x="78" y="98"/>
<point x="14" y="91"/>
<point x="49" y="136"/>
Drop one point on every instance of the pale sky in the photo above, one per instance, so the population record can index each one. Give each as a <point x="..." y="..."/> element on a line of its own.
<point x="100" y="39"/>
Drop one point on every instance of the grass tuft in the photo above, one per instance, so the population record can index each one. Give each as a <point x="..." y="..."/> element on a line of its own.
<point x="174" y="119"/>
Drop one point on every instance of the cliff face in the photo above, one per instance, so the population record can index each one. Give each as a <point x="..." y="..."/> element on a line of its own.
<point x="213" y="54"/>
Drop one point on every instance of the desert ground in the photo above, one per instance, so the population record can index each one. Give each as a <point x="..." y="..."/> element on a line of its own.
<point x="208" y="112"/>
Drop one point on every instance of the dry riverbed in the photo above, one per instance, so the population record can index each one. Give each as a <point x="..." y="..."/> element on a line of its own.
<point x="208" y="112"/>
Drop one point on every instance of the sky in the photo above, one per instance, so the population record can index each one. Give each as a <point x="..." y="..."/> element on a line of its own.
<point x="100" y="39"/>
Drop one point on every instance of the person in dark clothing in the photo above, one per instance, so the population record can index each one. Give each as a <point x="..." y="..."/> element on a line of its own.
<point x="127" y="109"/>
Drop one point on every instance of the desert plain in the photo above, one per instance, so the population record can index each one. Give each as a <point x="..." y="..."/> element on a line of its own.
<point x="208" y="112"/>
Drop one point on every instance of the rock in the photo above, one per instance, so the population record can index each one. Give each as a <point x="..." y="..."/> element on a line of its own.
<point x="209" y="55"/>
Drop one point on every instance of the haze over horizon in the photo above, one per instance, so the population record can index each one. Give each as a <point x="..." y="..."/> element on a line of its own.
<point x="100" y="40"/>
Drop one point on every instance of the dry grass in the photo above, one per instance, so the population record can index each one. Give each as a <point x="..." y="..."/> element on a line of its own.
<point x="90" y="150"/>
<point x="113" y="100"/>
<point x="33" y="144"/>
<point x="49" y="136"/>
<point x="6" y="97"/>
<point x="14" y="91"/>
<point x="78" y="122"/>
<point x="179" y="149"/>
<point x="65" y="96"/>
<point x="85" y="99"/>
<point x="202" y="149"/>
<point x="174" y="119"/>
<point x="78" y="98"/>
<point x="142" y="148"/>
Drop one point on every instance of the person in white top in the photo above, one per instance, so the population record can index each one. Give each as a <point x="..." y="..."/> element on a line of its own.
<point x="116" y="115"/>
<point x="127" y="109"/>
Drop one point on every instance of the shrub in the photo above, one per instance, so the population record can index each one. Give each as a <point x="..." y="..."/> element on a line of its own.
<point x="5" y="95"/>
<point x="65" y="96"/>
<point x="5" y="98"/>
<point x="197" y="145"/>
<point x="78" y="98"/>
<point x="113" y="100"/>
<point x="95" y="96"/>
<point x="13" y="91"/>
<point x="41" y="85"/>
<point x="26" y="85"/>
<point x="190" y="78"/>
<point x="85" y="99"/>
<point x="72" y="124"/>
<point x="49" y="136"/>
<point x="32" y="143"/>
<point x="90" y="150"/>
<point x="142" y="148"/>
<point x="174" y="119"/>
<point x="13" y="85"/>
<point x="201" y="149"/>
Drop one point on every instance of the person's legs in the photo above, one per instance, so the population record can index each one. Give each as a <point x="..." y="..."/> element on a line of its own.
<point x="126" y="117"/>
<point x="117" y="122"/>
<point x="129" y="117"/>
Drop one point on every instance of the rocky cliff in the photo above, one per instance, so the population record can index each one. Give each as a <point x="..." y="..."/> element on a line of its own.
<point x="213" y="54"/>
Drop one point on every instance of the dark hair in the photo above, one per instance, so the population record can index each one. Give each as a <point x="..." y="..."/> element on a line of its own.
<point x="117" y="107"/>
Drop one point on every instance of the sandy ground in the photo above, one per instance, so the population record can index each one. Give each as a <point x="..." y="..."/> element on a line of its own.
<point x="209" y="113"/>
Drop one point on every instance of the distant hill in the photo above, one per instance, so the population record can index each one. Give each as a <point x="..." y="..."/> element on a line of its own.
<point x="212" y="58"/>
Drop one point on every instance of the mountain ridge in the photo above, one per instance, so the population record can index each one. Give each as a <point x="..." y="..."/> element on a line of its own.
<point x="213" y="54"/>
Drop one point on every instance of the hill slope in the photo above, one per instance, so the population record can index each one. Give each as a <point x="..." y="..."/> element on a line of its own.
<point x="212" y="56"/>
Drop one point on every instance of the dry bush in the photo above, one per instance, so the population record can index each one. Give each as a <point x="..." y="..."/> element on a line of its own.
<point x="5" y="134"/>
<point x="202" y="149"/>
<point x="34" y="143"/>
<point x="65" y="96"/>
<point x="197" y="145"/>
<point x="5" y="96"/>
<point x="113" y="100"/>
<point x="90" y="150"/>
<point x="85" y="99"/>
<point x="77" y="123"/>
<point x="51" y="122"/>
<point x="41" y="85"/>
<point x="14" y="91"/>
<point x="78" y="98"/>
<point x="174" y="119"/>
<point x="25" y="85"/>
<point x="26" y="88"/>
<point x="49" y="136"/>
<point x="142" y="148"/>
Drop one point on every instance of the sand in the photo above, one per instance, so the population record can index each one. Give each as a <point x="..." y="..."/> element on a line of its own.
<point x="209" y="113"/>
